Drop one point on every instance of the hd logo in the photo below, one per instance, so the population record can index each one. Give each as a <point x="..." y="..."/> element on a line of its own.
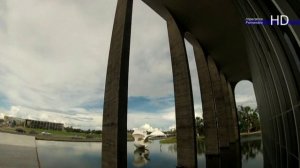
<point x="281" y="20"/>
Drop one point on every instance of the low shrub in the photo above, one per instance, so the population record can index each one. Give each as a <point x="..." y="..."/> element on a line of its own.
<point x="20" y="130"/>
<point x="89" y="136"/>
<point x="33" y="132"/>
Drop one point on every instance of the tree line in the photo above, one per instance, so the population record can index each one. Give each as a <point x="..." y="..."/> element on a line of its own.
<point x="71" y="129"/>
<point x="248" y="120"/>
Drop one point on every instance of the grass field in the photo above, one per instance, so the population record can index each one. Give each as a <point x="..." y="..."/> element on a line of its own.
<point x="56" y="135"/>
<point x="174" y="140"/>
<point x="168" y="140"/>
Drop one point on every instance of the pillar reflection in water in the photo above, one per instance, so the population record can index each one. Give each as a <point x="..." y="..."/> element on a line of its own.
<point x="140" y="157"/>
<point x="238" y="155"/>
<point x="229" y="157"/>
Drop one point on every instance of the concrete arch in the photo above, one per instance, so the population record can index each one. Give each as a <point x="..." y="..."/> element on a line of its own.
<point x="184" y="104"/>
<point x="223" y="64"/>
<point x="114" y="145"/>
<point x="222" y="117"/>
<point x="207" y="96"/>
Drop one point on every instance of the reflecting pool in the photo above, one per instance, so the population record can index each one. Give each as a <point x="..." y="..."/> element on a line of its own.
<point x="88" y="155"/>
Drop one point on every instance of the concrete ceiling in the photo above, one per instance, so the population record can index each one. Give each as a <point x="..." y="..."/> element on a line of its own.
<point x="217" y="26"/>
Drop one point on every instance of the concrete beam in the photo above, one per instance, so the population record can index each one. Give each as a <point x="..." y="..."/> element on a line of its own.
<point x="114" y="140"/>
<point x="208" y="105"/>
<point x="222" y="117"/>
<point x="184" y="105"/>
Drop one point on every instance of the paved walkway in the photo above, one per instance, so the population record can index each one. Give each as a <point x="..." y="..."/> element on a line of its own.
<point x="18" y="151"/>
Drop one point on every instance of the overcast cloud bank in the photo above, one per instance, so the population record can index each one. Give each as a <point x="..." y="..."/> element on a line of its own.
<point x="54" y="58"/>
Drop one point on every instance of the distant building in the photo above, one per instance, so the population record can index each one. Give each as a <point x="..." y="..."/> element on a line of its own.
<point x="43" y="125"/>
<point x="13" y="121"/>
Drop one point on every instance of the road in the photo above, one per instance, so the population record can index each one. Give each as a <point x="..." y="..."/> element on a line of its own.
<point x="18" y="151"/>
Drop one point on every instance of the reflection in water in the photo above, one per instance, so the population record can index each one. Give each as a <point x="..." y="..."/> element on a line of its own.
<point x="78" y="155"/>
<point x="250" y="149"/>
<point x="140" y="157"/>
<point x="229" y="157"/>
<point x="252" y="152"/>
<point x="172" y="148"/>
<point x="246" y="154"/>
<point x="200" y="147"/>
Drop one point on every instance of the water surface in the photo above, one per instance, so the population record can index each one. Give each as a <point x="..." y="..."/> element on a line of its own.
<point x="88" y="154"/>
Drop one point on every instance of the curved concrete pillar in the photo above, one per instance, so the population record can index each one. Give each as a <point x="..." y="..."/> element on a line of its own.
<point x="222" y="117"/>
<point x="207" y="97"/>
<point x="233" y="112"/>
<point x="184" y="105"/>
<point x="230" y="123"/>
<point x="114" y="137"/>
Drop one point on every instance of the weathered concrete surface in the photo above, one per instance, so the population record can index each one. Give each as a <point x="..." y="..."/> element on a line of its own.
<point x="18" y="151"/>
<point x="114" y="140"/>
<point x="209" y="111"/>
<point x="222" y="116"/>
<point x="236" y="134"/>
<point x="230" y="122"/>
<point x="184" y="104"/>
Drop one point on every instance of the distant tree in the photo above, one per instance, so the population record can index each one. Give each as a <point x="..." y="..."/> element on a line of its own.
<point x="248" y="119"/>
<point x="69" y="129"/>
<point x="13" y="123"/>
<point x="255" y="123"/>
<point x="199" y="126"/>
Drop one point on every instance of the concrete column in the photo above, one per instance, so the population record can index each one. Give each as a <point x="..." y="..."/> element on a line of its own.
<point x="114" y="139"/>
<point x="219" y="103"/>
<point x="184" y="105"/>
<point x="208" y="105"/>
<point x="228" y="108"/>
<point x="233" y="113"/>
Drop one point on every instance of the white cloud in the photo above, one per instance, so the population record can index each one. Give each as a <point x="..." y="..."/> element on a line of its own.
<point x="244" y="94"/>
<point x="149" y="128"/>
<point x="54" y="58"/>
<point x="150" y="72"/>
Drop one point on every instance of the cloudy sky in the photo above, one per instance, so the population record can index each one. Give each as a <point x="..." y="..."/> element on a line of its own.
<point x="54" y="57"/>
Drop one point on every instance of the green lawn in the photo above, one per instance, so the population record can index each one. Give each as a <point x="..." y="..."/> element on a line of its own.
<point x="174" y="140"/>
<point x="59" y="135"/>
<point x="168" y="140"/>
<point x="54" y="133"/>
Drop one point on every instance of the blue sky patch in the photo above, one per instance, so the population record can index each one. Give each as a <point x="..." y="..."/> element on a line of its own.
<point x="144" y="104"/>
<point x="4" y="102"/>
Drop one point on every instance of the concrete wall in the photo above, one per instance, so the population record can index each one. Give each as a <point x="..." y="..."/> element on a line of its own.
<point x="276" y="83"/>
